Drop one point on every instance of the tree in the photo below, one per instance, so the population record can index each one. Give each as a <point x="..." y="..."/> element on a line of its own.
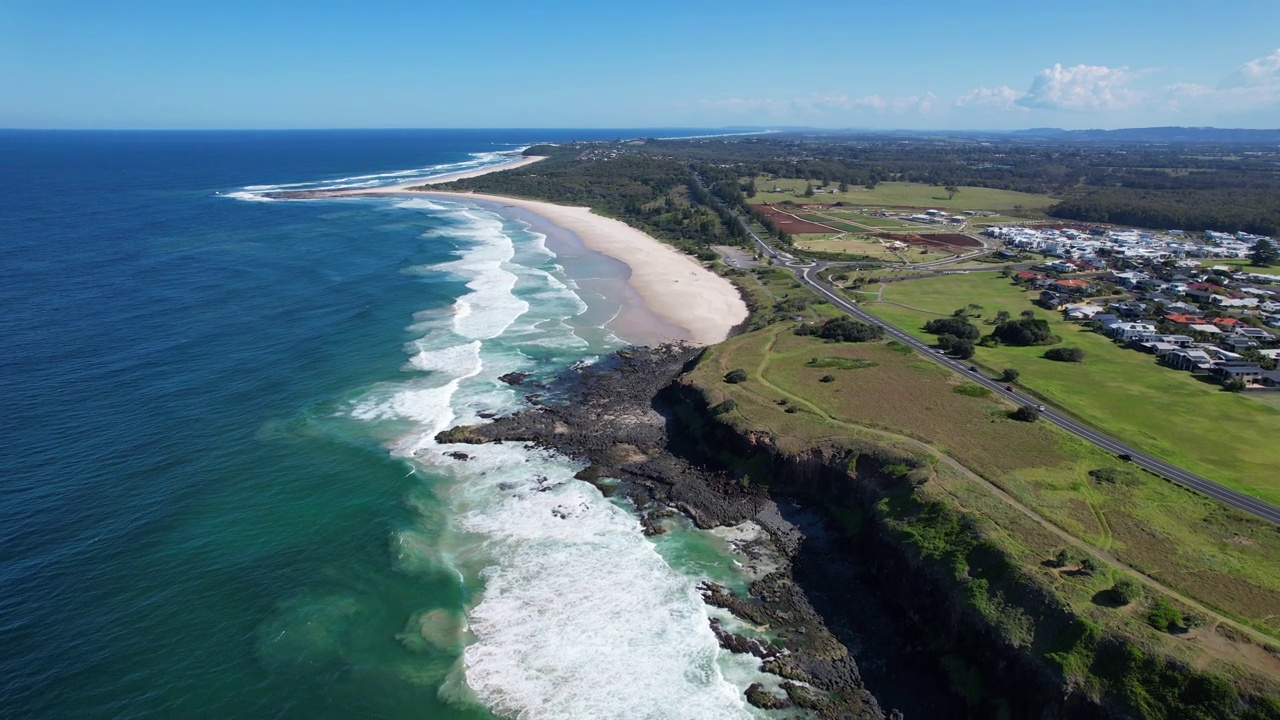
<point x="962" y="349"/>
<point x="1026" y="413"/>
<point x="1264" y="253"/>
<point x="951" y="191"/>
<point x="1164" y="616"/>
<point x="1010" y="375"/>
<point x="1029" y="330"/>
<point x="1002" y="316"/>
<point x="734" y="377"/>
<point x="1234" y="385"/>
<point x="954" y="325"/>
<point x="808" y="189"/>
<point x="844" y="187"/>
<point x="1064" y="558"/>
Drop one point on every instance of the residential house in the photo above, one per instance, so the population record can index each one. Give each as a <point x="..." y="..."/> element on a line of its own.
<point x="1246" y="371"/>
<point x="1129" y="330"/>
<point x="1227" y="323"/>
<point x="1239" y="343"/>
<point x="1206" y="329"/>
<point x="1258" y="334"/>
<point x="1190" y="359"/>
<point x="1184" y="319"/>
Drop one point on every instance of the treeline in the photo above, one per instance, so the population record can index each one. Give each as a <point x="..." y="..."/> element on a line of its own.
<point x="1044" y="167"/>
<point x="652" y="194"/>
<point x="1226" y="210"/>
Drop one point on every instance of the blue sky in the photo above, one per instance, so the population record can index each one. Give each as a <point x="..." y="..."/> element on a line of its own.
<point x="838" y="63"/>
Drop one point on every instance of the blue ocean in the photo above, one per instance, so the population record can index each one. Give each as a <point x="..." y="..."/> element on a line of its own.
<point x="220" y="493"/>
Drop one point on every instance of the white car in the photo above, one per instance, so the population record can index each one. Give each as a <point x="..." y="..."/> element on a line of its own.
<point x="1040" y="408"/>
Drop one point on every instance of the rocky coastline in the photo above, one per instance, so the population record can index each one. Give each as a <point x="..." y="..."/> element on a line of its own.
<point x="612" y="416"/>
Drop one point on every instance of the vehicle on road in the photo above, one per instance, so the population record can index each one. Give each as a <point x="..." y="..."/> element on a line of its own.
<point x="1040" y="408"/>
<point x="973" y="369"/>
<point x="1126" y="457"/>
<point x="1009" y="388"/>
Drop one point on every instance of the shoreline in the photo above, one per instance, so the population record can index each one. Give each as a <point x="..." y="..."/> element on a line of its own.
<point x="673" y="287"/>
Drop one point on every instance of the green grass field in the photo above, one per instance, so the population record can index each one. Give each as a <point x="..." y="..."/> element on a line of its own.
<point x="1201" y="549"/>
<point x="852" y="244"/>
<point x="1242" y="264"/>
<point x="1165" y="412"/>
<point x="906" y="195"/>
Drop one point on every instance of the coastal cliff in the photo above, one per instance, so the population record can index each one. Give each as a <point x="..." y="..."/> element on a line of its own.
<point x="883" y="597"/>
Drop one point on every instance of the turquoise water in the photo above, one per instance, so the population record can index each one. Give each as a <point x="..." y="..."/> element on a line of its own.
<point x="221" y="495"/>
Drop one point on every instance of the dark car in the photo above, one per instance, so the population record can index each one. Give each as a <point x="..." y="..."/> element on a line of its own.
<point x="973" y="369"/>
<point x="1009" y="388"/>
<point x="1126" y="457"/>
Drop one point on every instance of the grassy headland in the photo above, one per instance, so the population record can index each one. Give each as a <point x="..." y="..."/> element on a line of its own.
<point x="1005" y="513"/>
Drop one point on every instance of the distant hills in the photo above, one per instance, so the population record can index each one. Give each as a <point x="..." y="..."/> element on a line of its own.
<point x="1156" y="135"/>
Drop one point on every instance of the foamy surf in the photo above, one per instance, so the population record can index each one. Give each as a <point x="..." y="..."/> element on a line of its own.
<point x="476" y="161"/>
<point x="577" y="614"/>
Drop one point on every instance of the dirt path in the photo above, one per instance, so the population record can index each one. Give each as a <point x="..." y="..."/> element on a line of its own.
<point x="1254" y="654"/>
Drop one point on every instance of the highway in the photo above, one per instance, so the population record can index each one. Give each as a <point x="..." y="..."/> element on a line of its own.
<point x="807" y="274"/>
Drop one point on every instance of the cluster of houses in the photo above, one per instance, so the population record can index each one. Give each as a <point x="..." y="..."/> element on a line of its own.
<point x="1096" y="243"/>
<point x="1193" y="318"/>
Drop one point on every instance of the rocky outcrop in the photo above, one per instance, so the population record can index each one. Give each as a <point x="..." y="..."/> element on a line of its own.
<point x="613" y="417"/>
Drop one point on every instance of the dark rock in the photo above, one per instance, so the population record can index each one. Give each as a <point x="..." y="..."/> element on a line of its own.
<point x="457" y="455"/>
<point x="513" y="378"/>
<point x="761" y="698"/>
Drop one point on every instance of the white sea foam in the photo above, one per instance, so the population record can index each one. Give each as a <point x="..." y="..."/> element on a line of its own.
<point x="476" y="161"/>
<point x="578" y="615"/>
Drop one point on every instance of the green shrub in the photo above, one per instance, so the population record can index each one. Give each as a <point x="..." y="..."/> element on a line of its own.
<point x="1164" y="616"/>
<point x="1126" y="590"/>
<point x="827" y="378"/>
<point x="734" y="377"/>
<point x="1026" y="413"/>
<point x="724" y="407"/>
<point x="1009" y="375"/>
<point x="1065" y="354"/>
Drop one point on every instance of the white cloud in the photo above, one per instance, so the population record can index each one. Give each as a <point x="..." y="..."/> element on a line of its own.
<point x="1263" y="72"/>
<point x="1253" y="85"/>
<point x="1081" y="88"/>
<point x="1001" y="98"/>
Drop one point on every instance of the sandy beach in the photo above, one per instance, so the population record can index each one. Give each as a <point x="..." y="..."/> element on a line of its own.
<point x="673" y="286"/>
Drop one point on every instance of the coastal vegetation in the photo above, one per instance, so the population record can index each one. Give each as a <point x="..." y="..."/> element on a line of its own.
<point x="1029" y="533"/>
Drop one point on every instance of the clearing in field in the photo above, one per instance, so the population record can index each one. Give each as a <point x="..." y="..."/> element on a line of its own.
<point x="803" y="391"/>
<point x="1125" y="393"/>
<point x="906" y="196"/>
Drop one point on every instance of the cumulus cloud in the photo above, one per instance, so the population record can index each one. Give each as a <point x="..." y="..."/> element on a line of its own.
<point x="1081" y="88"/>
<point x="1254" y="84"/>
<point x="1001" y="98"/>
<point x="1263" y="71"/>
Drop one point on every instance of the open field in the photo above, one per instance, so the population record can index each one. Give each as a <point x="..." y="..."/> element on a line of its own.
<point x="847" y="243"/>
<point x="1199" y="548"/>
<point x="792" y="224"/>
<point x="1165" y="412"/>
<point x="905" y="195"/>
<point x="1242" y="264"/>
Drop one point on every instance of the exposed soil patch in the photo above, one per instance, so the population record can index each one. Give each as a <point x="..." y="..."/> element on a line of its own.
<point x="790" y="224"/>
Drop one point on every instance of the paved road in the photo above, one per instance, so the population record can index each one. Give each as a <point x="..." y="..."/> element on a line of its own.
<point x="1165" y="470"/>
<point x="808" y="275"/>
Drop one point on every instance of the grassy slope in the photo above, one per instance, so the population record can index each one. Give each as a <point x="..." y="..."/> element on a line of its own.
<point x="905" y="195"/>
<point x="1171" y="414"/>
<point x="1203" y="551"/>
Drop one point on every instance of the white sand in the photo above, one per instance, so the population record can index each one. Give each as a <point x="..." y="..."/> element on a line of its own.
<point x="674" y="286"/>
